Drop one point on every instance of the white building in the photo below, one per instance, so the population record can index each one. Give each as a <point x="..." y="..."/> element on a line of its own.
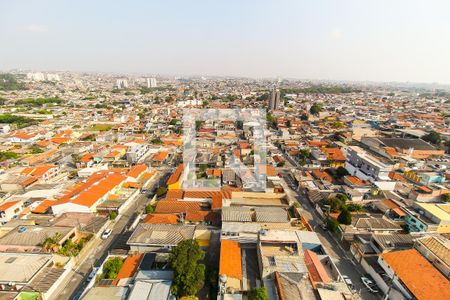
<point x="122" y="83"/>
<point x="151" y="83"/>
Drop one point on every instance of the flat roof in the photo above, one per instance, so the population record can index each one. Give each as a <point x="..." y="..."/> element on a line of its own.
<point x="438" y="210"/>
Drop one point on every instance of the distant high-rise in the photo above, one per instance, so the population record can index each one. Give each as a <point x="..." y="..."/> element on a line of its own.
<point x="274" y="99"/>
<point x="122" y="83"/>
<point x="151" y="83"/>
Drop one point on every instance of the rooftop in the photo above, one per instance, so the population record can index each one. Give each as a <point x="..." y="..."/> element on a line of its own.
<point x="428" y="283"/>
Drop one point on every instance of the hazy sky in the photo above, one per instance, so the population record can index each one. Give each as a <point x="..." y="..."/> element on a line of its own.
<point x="391" y="40"/>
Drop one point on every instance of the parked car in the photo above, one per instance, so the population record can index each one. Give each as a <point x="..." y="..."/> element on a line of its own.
<point x="106" y="234"/>
<point x="92" y="274"/>
<point x="369" y="284"/>
<point x="348" y="281"/>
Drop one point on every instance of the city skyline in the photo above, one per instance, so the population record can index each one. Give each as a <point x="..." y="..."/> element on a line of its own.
<point x="349" y="41"/>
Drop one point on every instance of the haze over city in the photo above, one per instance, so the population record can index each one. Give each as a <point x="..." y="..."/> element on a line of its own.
<point x="330" y="40"/>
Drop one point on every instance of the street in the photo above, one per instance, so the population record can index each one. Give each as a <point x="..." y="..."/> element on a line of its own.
<point x="76" y="282"/>
<point x="340" y="257"/>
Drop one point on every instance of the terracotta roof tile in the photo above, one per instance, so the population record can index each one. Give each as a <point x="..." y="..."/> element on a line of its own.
<point x="418" y="274"/>
<point x="230" y="259"/>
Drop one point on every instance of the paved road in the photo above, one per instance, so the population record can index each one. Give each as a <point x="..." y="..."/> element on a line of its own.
<point x="73" y="288"/>
<point x="340" y="257"/>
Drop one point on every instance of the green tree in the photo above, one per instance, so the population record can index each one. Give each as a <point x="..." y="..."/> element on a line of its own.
<point x="433" y="137"/>
<point x="149" y="209"/>
<point x="345" y="217"/>
<point x="341" y="172"/>
<point x="304" y="117"/>
<point x="315" y="109"/>
<point x="112" y="267"/>
<point x="161" y="191"/>
<point x="446" y="197"/>
<point x="189" y="274"/>
<point x="156" y="141"/>
<point x="113" y="215"/>
<point x="259" y="294"/>
<point x="337" y="203"/>
<point x="332" y="224"/>
<point x="354" y="207"/>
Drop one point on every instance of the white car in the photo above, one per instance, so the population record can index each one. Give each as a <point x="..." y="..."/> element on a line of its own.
<point x="348" y="281"/>
<point x="370" y="285"/>
<point x="106" y="234"/>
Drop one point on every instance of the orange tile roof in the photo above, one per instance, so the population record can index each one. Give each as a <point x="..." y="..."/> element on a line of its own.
<point x="334" y="154"/>
<point x="418" y="274"/>
<point x="43" y="143"/>
<point x="202" y="216"/>
<point x="137" y="170"/>
<point x="86" y="158"/>
<point x="129" y="267"/>
<point x="161" y="219"/>
<point x="24" y="135"/>
<point x="175" y="194"/>
<point x="37" y="170"/>
<point x="7" y="205"/>
<point x="176" y="175"/>
<point x="160" y="156"/>
<point x="60" y="140"/>
<point x="315" y="267"/>
<point x="355" y="180"/>
<point x="230" y="259"/>
<point x="43" y="207"/>
<point x="28" y="181"/>
<point x="167" y="206"/>
<point x="268" y="169"/>
<point x="97" y="190"/>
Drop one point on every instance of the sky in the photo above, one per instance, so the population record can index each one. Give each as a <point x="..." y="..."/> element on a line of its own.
<point x="356" y="40"/>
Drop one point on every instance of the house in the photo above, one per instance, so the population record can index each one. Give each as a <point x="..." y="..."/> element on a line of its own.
<point x="366" y="166"/>
<point x="435" y="217"/>
<point x="9" y="210"/>
<point x="41" y="172"/>
<point x="159" y="237"/>
<point x="436" y="249"/>
<point x="86" y="196"/>
<point x="30" y="238"/>
<point x="175" y="180"/>
<point x="414" y="148"/>
<point x="413" y="276"/>
<point x="230" y="267"/>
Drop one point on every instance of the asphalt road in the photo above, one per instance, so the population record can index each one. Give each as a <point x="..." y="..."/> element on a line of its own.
<point x="340" y="257"/>
<point x="77" y="282"/>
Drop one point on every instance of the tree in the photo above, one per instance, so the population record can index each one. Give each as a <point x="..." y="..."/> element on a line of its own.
<point x="332" y="224"/>
<point x="345" y="217"/>
<point x="112" y="267"/>
<point x="446" y="197"/>
<point x="189" y="274"/>
<point x="354" y="207"/>
<point x="51" y="244"/>
<point x="149" y="209"/>
<point x="315" y="109"/>
<point x="113" y="215"/>
<point x="304" y="117"/>
<point x="338" y="125"/>
<point x="433" y="137"/>
<point x="259" y="294"/>
<point x="337" y="203"/>
<point x="161" y="191"/>
<point x="341" y="172"/>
